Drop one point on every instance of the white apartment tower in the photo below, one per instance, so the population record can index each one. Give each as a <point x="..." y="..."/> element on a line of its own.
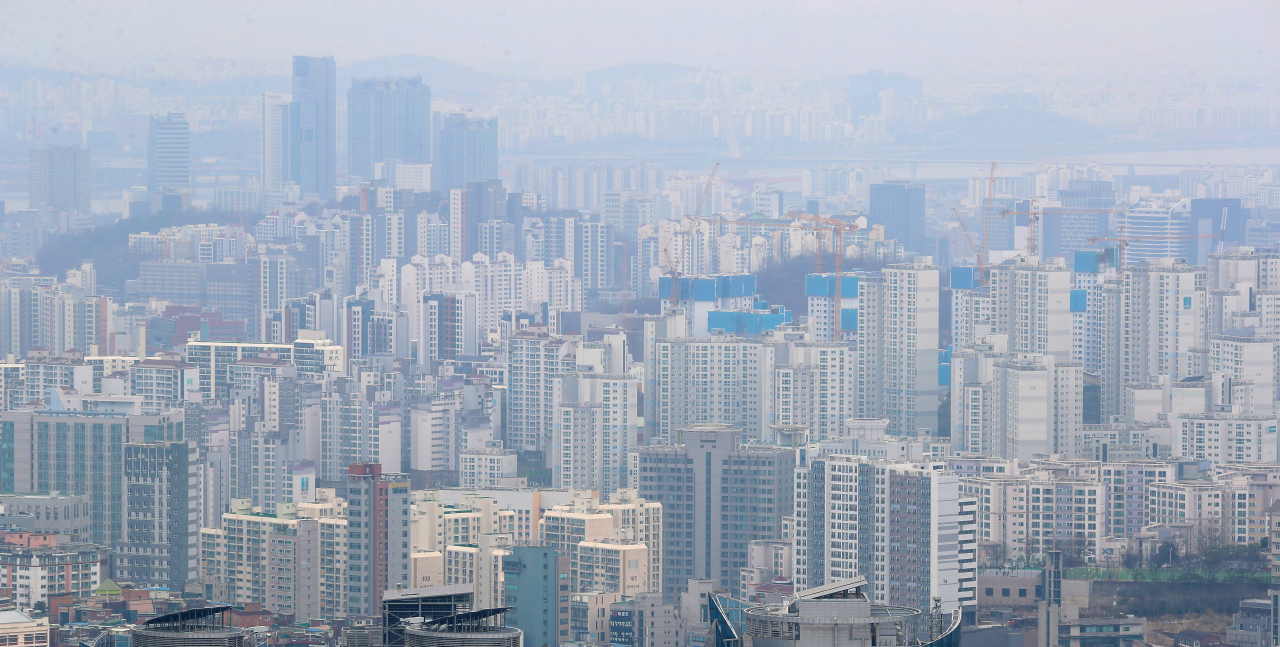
<point x="898" y="346"/>
<point x="1154" y="316"/>
<point x="275" y="145"/>
<point x="536" y="359"/>
<point x="906" y="527"/>
<point x="1033" y="305"/>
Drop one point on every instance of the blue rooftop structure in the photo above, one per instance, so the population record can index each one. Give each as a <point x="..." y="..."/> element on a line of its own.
<point x="709" y="288"/>
<point x="964" y="277"/>
<point x="824" y="285"/>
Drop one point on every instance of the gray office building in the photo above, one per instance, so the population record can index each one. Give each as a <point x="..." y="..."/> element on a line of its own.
<point x="313" y="150"/>
<point x="718" y="495"/>
<point x="468" y="152"/>
<point x="59" y="180"/>
<point x="1064" y="232"/>
<point x="161" y="542"/>
<point x="137" y="470"/>
<point x="899" y="206"/>
<point x="169" y="153"/>
<point x="387" y="119"/>
<point x="532" y="580"/>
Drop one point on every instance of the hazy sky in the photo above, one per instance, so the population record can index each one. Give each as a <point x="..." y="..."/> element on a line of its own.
<point x="562" y="37"/>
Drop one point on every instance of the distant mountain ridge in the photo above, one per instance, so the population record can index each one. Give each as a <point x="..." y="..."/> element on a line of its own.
<point x="627" y="71"/>
<point x="443" y="76"/>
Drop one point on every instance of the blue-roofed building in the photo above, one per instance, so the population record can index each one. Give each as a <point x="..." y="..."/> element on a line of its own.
<point x="832" y="316"/>
<point x="1092" y="269"/>
<point x="701" y="295"/>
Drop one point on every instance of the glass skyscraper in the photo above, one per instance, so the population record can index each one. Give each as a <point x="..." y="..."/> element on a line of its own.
<point x="313" y="158"/>
<point x="468" y="152"/>
<point x="387" y="118"/>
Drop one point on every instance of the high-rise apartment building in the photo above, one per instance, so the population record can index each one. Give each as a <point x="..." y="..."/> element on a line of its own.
<point x="1154" y="316"/>
<point x="378" y="530"/>
<point x="292" y="561"/>
<point x="832" y="316"/>
<point x="594" y="429"/>
<point x="160" y="547"/>
<point x="1033" y="305"/>
<point x="480" y="565"/>
<point x="1015" y="405"/>
<point x="279" y="281"/>
<point x="898" y="346"/>
<point x="274" y="142"/>
<point x="59" y="180"/>
<point x="733" y="386"/>
<point x="447" y="326"/>
<point x="536" y="360"/>
<point x="313" y="126"/>
<point x="587" y="529"/>
<point x="169" y="154"/>
<point x="904" y="526"/>
<point x="214" y="358"/>
<point x="718" y="495"/>
<point x="387" y="119"/>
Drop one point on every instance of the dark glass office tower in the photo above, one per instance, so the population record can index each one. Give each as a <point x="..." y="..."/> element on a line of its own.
<point x="388" y="118"/>
<point x="468" y="152"/>
<point x="899" y="206"/>
<point x="313" y="131"/>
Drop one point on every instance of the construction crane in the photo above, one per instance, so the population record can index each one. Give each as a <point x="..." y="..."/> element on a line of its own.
<point x="674" y="273"/>
<point x="820" y="226"/>
<point x="976" y="252"/>
<point x="1222" y="231"/>
<point x="986" y="210"/>
<point x="1033" y="217"/>
<point x="706" y="190"/>
<point x="1123" y="241"/>
<point x="697" y="215"/>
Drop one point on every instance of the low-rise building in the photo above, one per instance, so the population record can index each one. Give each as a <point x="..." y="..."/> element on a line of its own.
<point x="1251" y="625"/>
<point x="41" y="568"/>
<point x="487" y="467"/>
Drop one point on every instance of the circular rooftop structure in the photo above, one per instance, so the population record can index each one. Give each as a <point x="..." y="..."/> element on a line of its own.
<point x="482" y="628"/>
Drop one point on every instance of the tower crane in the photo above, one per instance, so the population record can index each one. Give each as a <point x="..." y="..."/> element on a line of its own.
<point x="820" y="225"/>
<point x="674" y="273"/>
<point x="697" y="217"/>
<point x="1222" y="231"/>
<point x="1033" y="217"/>
<point x="978" y="254"/>
<point x="986" y="211"/>
<point x="1123" y="241"/>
